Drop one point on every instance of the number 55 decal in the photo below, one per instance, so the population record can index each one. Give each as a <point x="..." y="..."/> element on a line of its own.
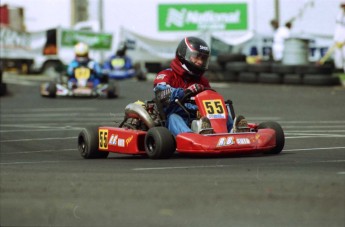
<point x="213" y="106"/>
<point x="103" y="139"/>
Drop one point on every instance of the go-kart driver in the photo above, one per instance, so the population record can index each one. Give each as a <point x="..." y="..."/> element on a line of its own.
<point x="186" y="75"/>
<point x="119" y="65"/>
<point x="82" y="58"/>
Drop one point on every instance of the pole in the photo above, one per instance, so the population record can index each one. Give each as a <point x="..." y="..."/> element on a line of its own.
<point x="100" y="15"/>
<point x="276" y="11"/>
<point x="100" y="21"/>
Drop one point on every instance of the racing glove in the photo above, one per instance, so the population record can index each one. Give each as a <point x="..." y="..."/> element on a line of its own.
<point x="195" y="88"/>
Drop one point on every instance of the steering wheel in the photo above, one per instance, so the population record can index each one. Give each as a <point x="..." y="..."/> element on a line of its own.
<point x="188" y="94"/>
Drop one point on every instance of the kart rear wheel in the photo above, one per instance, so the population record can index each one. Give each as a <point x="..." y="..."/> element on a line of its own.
<point x="88" y="144"/>
<point x="159" y="143"/>
<point x="280" y="138"/>
<point x="112" y="90"/>
<point x="51" y="90"/>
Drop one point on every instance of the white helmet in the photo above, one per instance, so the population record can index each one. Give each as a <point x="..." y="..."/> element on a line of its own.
<point x="81" y="50"/>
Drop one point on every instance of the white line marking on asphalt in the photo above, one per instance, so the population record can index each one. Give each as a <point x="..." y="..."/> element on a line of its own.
<point x="23" y="140"/>
<point x="41" y="130"/>
<point x="313" y="131"/>
<point x="19" y="163"/>
<point x="180" y="167"/>
<point x="317" y="148"/>
<point x="42" y="151"/>
<point x="312" y="122"/>
<point x="342" y="173"/>
<point x="314" y="136"/>
<point x="333" y="161"/>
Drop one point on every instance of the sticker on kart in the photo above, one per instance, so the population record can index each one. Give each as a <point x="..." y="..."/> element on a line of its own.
<point x="214" y="109"/>
<point x="103" y="138"/>
<point x="116" y="141"/>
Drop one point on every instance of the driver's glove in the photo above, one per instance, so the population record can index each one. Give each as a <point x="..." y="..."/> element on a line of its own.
<point x="195" y="88"/>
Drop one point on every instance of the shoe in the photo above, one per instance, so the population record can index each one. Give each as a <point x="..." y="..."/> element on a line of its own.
<point x="206" y="127"/>
<point x="240" y="125"/>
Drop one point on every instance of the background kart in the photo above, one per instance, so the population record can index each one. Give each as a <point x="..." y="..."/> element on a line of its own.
<point x="142" y="132"/>
<point x="83" y="84"/>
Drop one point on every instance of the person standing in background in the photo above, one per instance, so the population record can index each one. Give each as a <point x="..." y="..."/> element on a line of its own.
<point x="280" y="34"/>
<point x="339" y="39"/>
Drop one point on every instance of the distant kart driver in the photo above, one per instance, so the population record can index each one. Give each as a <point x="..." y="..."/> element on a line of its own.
<point x="82" y="60"/>
<point x="186" y="75"/>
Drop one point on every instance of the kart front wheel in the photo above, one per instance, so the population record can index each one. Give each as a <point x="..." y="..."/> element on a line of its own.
<point x="112" y="90"/>
<point x="88" y="144"/>
<point x="159" y="143"/>
<point x="280" y="138"/>
<point x="51" y="90"/>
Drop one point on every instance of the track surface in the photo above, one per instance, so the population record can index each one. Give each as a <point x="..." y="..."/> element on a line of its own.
<point x="45" y="182"/>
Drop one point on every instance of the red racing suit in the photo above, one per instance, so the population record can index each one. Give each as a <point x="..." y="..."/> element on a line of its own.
<point x="172" y="83"/>
<point x="177" y="77"/>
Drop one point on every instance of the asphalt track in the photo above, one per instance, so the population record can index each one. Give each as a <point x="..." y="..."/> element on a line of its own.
<point x="45" y="182"/>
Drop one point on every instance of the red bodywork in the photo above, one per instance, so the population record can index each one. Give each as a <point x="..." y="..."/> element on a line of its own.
<point x="212" y="105"/>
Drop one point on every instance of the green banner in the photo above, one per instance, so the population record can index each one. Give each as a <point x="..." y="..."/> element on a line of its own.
<point x="97" y="41"/>
<point x="193" y="17"/>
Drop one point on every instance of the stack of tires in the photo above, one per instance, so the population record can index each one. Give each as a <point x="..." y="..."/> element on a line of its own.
<point x="234" y="68"/>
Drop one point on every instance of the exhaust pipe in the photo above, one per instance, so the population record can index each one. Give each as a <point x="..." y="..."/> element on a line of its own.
<point x="134" y="110"/>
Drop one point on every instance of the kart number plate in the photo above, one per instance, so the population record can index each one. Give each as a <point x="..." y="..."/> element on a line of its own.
<point x="118" y="62"/>
<point x="82" y="73"/>
<point x="214" y="108"/>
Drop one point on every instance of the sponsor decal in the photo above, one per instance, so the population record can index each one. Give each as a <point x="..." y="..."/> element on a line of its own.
<point x="113" y="139"/>
<point x="96" y="41"/>
<point x="193" y="17"/>
<point x="121" y="142"/>
<point x="103" y="138"/>
<point x="128" y="140"/>
<point x="225" y="141"/>
<point x="242" y="141"/>
<point x="203" y="47"/>
<point x="160" y="77"/>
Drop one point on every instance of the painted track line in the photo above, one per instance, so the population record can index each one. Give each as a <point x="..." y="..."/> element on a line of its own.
<point x="41" y="151"/>
<point x="318" y="148"/>
<point x="24" y="140"/>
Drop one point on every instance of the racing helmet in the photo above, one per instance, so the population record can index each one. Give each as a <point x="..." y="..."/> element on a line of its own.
<point x="81" y="50"/>
<point x="194" y="54"/>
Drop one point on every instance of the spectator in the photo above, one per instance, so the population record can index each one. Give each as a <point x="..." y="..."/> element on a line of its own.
<point x="280" y="34"/>
<point x="339" y="39"/>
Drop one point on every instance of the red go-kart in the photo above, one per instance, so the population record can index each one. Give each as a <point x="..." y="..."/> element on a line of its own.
<point x="142" y="132"/>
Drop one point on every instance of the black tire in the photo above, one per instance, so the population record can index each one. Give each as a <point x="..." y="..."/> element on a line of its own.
<point x="270" y="78"/>
<point x="236" y="67"/>
<point x="314" y="69"/>
<point x="223" y="59"/>
<point x="295" y="79"/>
<point x="280" y="137"/>
<point x="88" y="144"/>
<point x="248" y="77"/>
<point x="321" y="80"/>
<point x="159" y="143"/>
<point x="214" y="72"/>
<point x="52" y="89"/>
<point x="3" y="89"/>
<point x="112" y="90"/>
<point x="264" y="67"/>
<point x="285" y="69"/>
<point x="230" y="76"/>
